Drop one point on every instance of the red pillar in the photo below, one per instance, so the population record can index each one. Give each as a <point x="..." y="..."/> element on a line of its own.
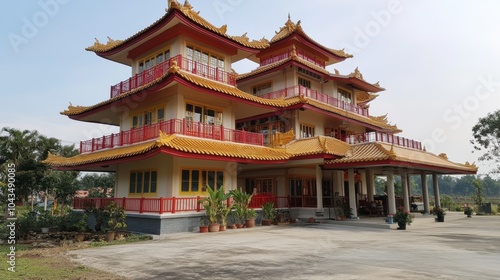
<point x="161" y="205"/>
<point x="174" y="204"/>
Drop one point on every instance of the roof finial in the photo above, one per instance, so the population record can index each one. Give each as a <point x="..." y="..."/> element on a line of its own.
<point x="288" y="15"/>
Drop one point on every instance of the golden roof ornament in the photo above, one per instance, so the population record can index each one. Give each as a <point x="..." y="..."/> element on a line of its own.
<point x="443" y="156"/>
<point x="356" y="74"/>
<point x="392" y="154"/>
<point x="293" y="53"/>
<point x="280" y="139"/>
<point x="174" y="68"/>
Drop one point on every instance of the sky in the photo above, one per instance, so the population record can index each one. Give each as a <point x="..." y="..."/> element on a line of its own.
<point x="438" y="60"/>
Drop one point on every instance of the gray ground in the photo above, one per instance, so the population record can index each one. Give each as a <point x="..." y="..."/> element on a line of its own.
<point x="459" y="248"/>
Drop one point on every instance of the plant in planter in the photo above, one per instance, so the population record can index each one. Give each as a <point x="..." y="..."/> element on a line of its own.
<point x="250" y="216"/>
<point x="268" y="213"/>
<point x="403" y="218"/>
<point x="214" y="204"/>
<point x="81" y="227"/>
<point x="239" y="215"/>
<point x="241" y="202"/>
<point x="45" y="220"/>
<point x="224" y="210"/>
<point x="203" y="225"/>
<point x="116" y="219"/>
<point x="439" y="212"/>
<point x="468" y="211"/>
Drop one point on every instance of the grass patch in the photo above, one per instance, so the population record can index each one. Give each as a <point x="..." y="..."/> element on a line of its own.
<point x="52" y="263"/>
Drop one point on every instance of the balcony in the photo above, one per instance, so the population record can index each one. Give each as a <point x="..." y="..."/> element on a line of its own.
<point x="173" y="126"/>
<point x="148" y="76"/>
<point x="316" y="95"/>
<point x="282" y="56"/>
<point x="385" y="138"/>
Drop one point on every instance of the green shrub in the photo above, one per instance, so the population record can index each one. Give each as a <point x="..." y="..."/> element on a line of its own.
<point x="27" y="223"/>
<point x="70" y="222"/>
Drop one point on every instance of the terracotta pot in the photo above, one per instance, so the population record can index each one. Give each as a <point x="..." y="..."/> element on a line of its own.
<point x="239" y="225"/>
<point x="214" y="227"/>
<point x="110" y="236"/>
<point x="222" y="228"/>
<point x="203" y="229"/>
<point x="249" y="223"/>
<point x="233" y="226"/>
<point x="267" y="222"/>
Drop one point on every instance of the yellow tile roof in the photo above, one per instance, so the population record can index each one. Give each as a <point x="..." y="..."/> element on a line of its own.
<point x="186" y="10"/>
<point x="383" y="151"/>
<point x="176" y="142"/>
<point x="289" y="28"/>
<point x="100" y="156"/>
<point x="318" y="145"/>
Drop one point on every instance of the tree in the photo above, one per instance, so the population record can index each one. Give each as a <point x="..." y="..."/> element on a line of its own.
<point x="487" y="138"/>
<point x="27" y="149"/>
<point x="97" y="184"/>
<point x="478" y="195"/>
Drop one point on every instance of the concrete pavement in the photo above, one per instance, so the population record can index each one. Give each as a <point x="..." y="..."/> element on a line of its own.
<point x="459" y="248"/>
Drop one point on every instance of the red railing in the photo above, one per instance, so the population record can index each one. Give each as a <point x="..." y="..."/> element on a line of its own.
<point x="172" y="126"/>
<point x="143" y="205"/>
<point x="282" y="56"/>
<point x="149" y="75"/>
<point x="168" y="204"/>
<point x="383" y="137"/>
<point x="316" y="95"/>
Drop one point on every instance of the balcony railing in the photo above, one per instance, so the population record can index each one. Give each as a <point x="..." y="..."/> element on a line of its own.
<point x="316" y="95"/>
<point x="383" y="137"/>
<point x="172" y="126"/>
<point x="149" y="75"/>
<point x="282" y="56"/>
<point x="162" y="205"/>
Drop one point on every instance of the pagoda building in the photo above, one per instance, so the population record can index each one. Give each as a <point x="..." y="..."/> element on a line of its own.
<point x="289" y="131"/>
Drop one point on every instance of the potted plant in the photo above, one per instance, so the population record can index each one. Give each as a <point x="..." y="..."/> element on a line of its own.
<point x="214" y="206"/>
<point x="268" y="213"/>
<point x="403" y="218"/>
<point x="439" y="212"/>
<point x="468" y="211"/>
<point x="242" y="202"/>
<point x="81" y="227"/>
<point x="45" y="220"/>
<point x="203" y="225"/>
<point x="116" y="219"/>
<point x="239" y="215"/>
<point x="250" y="216"/>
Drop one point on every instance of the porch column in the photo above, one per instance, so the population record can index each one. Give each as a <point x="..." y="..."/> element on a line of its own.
<point x="425" y="192"/>
<point x="370" y="184"/>
<point x="391" y="199"/>
<point x="319" y="189"/>
<point x="352" y="194"/>
<point x="406" y="197"/>
<point x="437" y="198"/>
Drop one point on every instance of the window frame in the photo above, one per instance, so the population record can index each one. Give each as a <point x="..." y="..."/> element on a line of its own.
<point x="139" y="184"/>
<point x="307" y="129"/>
<point x="201" y="182"/>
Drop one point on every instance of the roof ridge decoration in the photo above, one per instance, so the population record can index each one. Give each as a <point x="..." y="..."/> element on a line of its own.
<point x="279" y="139"/>
<point x="98" y="46"/>
<point x="383" y="120"/>
<point x="357" y="74"/>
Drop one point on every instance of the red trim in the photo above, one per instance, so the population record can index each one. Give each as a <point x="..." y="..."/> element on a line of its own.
<point x="397" y="164"/>
<point x="164" y="21"/>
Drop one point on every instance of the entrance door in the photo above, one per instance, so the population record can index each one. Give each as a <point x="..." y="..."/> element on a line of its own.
<point x="302" y="192"/>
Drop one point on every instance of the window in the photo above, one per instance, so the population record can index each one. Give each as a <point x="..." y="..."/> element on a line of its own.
<point x="142" y="182"/>
<point x="306" y="131"/>
<point x="262" y="186"/>
<point x="262" y="89"/>
<point x="148" y="117"/>
<point x="195" y="181"/>
<point x="204" y="57"/>
<point x="308" y="73"/>
<point x="304" y="82"/>
<point x="345" y="96"/>
<point x="153" y="60"/>
<point x="201" y="114"/>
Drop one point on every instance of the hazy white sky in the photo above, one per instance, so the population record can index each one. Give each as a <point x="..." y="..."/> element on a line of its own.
<point x="438" y="60"/>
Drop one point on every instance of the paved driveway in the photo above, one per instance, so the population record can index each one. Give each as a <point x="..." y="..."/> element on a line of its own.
<point x="460" y="248"/>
